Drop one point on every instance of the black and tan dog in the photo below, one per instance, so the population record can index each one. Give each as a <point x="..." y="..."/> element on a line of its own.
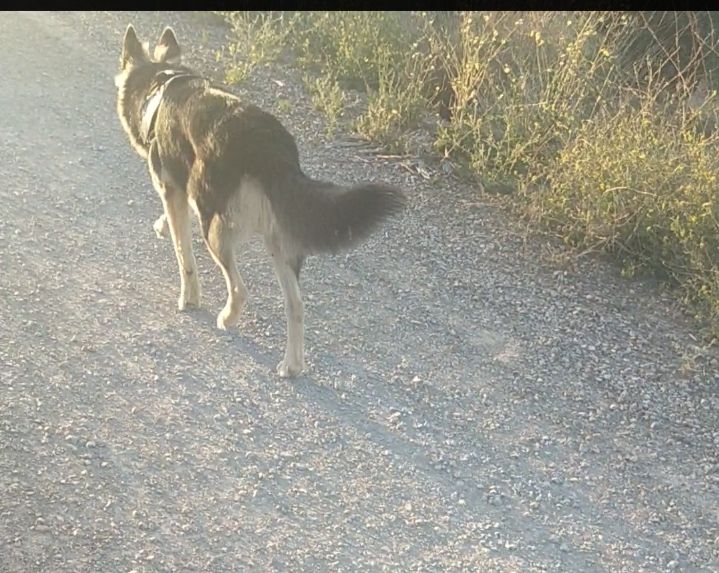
<point x="238" y="169"/>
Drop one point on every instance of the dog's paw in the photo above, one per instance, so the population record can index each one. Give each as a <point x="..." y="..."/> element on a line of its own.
<point x="188" y="303"/>
<point x="227" y="318"/>
<point x="189" y="299"/>
<point x="161" y="227"/>
<point x="190" y="294"/>
<point x="288" y="370"/>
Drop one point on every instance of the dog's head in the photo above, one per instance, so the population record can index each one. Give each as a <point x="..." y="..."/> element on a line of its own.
<point x="137" y="69"/>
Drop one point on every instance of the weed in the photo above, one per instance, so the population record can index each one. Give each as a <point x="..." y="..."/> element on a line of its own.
<point x="328" y="97"/>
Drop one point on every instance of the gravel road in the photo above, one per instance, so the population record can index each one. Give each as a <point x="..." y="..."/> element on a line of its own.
<point x="469" y="405"/>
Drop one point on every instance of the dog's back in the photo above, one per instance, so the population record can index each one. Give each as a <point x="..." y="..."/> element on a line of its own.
<point x="211" y="142"/>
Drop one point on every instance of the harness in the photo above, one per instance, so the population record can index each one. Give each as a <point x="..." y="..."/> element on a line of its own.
<point x="154" y="97"/>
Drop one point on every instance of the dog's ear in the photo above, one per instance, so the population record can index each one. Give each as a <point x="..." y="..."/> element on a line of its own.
<point x="167" y="49"/>
<point x="132" y="51"/>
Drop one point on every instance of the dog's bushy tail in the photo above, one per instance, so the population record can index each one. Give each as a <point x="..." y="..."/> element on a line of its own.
<point x="324" y="217"/>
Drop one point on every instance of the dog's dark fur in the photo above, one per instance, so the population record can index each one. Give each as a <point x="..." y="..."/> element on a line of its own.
<point x="238" y="168"/>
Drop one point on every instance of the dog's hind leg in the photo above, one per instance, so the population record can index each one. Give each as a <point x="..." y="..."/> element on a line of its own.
<point x="178" y="218"/>
<point x="219" y="241"/>
<point x="287" y="270"/>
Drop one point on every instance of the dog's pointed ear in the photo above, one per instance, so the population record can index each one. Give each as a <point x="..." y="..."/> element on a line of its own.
<point x="167" y="49"/>
<point x="132" y="51"/>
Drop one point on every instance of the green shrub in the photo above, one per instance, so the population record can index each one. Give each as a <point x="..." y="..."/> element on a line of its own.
<point x="645" y="191"/>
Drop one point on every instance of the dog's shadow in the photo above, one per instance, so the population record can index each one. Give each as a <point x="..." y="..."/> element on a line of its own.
<point x="241" y="341"/>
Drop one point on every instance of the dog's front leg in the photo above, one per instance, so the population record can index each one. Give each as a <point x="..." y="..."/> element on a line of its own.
<point x="180" y="224"/>
<point x="177" y="218"/>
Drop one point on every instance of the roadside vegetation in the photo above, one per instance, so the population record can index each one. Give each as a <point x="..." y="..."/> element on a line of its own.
<point x="600" y="128"/>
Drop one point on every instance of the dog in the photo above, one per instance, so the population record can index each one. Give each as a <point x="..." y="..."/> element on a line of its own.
<point x="237" y="168"/>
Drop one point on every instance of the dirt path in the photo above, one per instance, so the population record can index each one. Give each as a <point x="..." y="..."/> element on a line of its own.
<point x="468" y="407"/>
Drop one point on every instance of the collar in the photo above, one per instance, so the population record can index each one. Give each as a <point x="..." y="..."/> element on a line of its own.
<point x="152" y="103"/>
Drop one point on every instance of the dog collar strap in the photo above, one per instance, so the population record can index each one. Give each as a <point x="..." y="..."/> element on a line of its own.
<point x="152" y="103"/>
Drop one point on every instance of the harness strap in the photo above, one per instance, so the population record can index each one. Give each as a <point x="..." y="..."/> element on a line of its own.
<point x="154" y="98"/>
